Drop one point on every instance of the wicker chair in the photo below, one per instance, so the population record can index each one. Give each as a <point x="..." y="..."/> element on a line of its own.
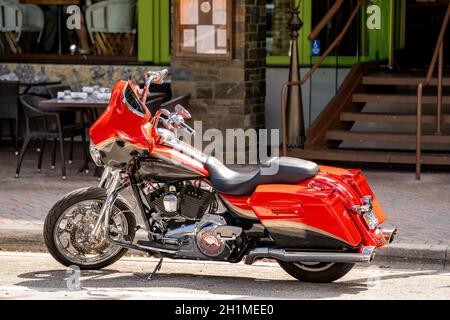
<point x="9" y="109"/>
<point x="111" y="26"/>
<point x="154" y="105"/>
<point x="11" y="22"/>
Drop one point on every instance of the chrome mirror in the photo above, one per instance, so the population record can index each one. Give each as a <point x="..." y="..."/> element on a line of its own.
<point x="180" y="110"/>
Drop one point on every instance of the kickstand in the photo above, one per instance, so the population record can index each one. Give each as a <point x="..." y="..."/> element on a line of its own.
<point x="152" y="275"/>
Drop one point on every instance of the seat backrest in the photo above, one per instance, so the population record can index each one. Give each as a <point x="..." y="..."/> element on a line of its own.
<point x="33" y="18"/>
<point x="182" y="100"/>
<point x="9" y="94"/>
<point x="154" y="105"/>
<point x="53" y="90"/>
<point x="162" y="88"/>
<point x="111" y="16"/>
<point x="11" y="17"/>
<point x="30" y="106"/>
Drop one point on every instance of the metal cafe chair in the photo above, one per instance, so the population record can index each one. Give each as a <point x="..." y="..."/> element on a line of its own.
<point x="154" y="105"/>
<point x="9" y="109"/>
<point x="43" y="125"/>
<point x="162" y="88"/>
<point x="68" y="117"/>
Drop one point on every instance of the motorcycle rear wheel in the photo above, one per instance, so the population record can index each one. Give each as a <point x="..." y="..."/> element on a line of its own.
<point x="66" y="208"/>
<point x="318" y="272"/>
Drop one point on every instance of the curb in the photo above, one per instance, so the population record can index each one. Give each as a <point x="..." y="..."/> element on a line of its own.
<point x="437" y="256"/>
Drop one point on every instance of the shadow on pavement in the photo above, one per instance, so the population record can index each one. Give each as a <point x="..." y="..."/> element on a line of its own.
<point x="55" y="280"/>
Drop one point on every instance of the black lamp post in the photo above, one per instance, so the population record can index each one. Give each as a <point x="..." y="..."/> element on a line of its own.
<point x="295" y="122"/>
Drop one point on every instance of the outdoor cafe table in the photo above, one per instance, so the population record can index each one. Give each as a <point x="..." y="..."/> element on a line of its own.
<point x="89" y="103"/>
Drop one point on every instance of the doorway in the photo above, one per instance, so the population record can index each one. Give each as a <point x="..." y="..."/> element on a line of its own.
<point x="423" y="22"/>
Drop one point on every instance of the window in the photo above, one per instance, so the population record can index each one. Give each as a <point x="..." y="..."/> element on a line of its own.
<point x="107" y="30"/>
<point x="350" y="43"/>
<point x="359" y="44"/>
<point x="278" y="40"/>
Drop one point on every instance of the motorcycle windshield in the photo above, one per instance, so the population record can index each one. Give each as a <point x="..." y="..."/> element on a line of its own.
<point x="133" y="102"/>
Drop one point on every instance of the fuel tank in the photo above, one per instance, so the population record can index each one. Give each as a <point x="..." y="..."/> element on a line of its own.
<point x="166" y="171"/>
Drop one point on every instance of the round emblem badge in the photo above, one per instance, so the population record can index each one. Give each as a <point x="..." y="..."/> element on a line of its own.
<point x="205" y="7"/>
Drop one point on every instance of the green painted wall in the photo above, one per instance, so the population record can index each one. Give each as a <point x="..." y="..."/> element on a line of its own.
<point x="154" y="31"/>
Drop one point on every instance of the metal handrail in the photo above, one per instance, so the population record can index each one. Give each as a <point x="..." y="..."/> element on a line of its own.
<point x="438" y="53"/>
<point x="335" y="43"/>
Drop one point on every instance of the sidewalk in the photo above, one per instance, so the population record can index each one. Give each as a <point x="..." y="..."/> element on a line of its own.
<point x="420" y="210"/>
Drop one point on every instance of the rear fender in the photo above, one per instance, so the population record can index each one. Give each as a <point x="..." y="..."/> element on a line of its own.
<point x="352" y="186"/>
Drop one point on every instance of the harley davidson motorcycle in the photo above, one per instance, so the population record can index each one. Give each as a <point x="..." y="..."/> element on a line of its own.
<point x="317" y="222"/>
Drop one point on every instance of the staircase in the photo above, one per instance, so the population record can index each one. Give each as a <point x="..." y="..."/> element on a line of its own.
<point x="372" y="119"/>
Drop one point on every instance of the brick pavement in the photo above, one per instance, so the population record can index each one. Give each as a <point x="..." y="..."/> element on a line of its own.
<point x="421" y="210"/>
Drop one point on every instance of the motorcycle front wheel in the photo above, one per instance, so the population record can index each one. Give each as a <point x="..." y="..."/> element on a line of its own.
<point x="68" y="226"/>
<point x="316" y="272"/>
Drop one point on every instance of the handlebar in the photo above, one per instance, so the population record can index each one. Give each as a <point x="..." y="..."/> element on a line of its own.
<point x="156" y="77"/>
<point x="173" y="121"/>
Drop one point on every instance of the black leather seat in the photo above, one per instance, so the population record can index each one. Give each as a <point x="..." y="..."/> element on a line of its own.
<point x="276" y="171"/>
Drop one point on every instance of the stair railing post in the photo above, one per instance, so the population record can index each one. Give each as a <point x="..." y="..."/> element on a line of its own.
<point x="440" y="76"/>
<point x="419" y="132"/>
<point x="295" y="123"/>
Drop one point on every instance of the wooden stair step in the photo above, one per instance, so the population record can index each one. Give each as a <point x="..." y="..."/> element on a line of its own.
<point x="399" y="80"/>
<point x="396" y="98"/>
<point x="343" y="135"/>
<point x="387" y="117"/>
<point x="375" y="156"/>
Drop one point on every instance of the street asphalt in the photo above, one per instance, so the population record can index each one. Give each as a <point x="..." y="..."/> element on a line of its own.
<point x="38" y="276"/>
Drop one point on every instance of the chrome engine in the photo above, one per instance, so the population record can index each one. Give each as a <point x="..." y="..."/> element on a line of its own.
<point x="185" y="200"/>
<point x="210" y="238"/>
<point x="188" y="216"/>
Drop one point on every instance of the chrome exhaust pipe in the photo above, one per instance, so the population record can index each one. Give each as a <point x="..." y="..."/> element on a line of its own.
<point x="389" y="234"/>
<point x="366" y="255"/>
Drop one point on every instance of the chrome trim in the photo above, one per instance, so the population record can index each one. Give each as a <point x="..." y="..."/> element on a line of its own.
<point x="247" y="214"/>
<point x="389" y="234"/>
<point x="105" y="177"/>
<point x="111" y="196"/>
<point x="366" y="256"/>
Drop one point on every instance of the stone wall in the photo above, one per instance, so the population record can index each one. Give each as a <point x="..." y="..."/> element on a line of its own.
<point x="79" y="75"/>
<point x="229" y="94"/>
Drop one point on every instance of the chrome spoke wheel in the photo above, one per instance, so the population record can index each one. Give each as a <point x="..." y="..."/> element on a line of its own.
<point x="74" y="240"/>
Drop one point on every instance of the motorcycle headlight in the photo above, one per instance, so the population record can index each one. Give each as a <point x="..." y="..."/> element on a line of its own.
<point x="95" y="155"/>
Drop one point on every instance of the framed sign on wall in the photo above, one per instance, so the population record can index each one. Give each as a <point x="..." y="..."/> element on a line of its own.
<point x="203" y="29"/>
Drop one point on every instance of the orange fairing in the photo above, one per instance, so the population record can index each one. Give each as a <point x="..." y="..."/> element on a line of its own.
<point x="118" y="121"/>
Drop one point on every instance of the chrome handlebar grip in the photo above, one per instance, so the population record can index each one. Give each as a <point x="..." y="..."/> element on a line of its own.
<point x="157" y="77"/>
